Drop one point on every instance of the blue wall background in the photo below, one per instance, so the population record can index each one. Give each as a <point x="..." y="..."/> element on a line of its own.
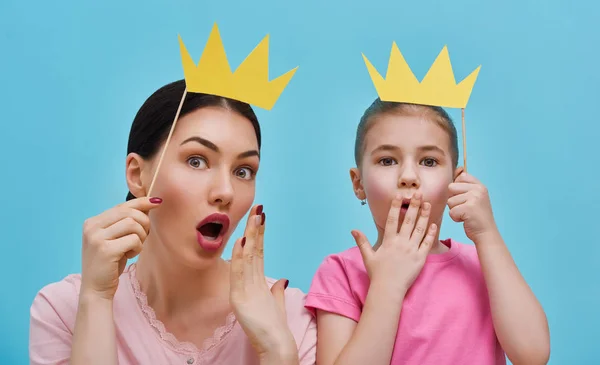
<point x="73" y="74"/>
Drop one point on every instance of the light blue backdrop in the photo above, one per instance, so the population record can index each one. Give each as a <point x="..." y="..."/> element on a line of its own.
<point x="73" y="75"/>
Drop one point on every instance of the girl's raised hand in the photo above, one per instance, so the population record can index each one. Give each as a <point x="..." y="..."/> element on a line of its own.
<point x="109" y="240"/>
<point x="401" y="256"/>
<point x="260" y="310"/>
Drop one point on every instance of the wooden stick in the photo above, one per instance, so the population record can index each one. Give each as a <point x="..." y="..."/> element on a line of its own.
<point x="162" y="155"/>
<point x="464" y="133"/>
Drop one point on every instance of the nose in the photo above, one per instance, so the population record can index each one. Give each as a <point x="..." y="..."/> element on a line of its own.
<point x="409" y="177"/>
<point x="221" y="190"/>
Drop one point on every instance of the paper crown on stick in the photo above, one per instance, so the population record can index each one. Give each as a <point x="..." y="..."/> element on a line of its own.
<point x="250" y="81"/>
<point x="438" y="87"/>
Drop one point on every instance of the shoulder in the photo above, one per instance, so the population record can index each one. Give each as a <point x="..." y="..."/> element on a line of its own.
<point x="299" y="318"/>
<point x="466" y="255"/>
<point x="347" y="261"/>
<point x="294" y="300"/>
<point x="58" y="299"/>
<point x="65" y="291"/>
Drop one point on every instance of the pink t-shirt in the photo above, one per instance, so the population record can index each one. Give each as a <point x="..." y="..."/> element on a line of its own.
<point x="445" y="318"/>
<point x="142" y="339"/>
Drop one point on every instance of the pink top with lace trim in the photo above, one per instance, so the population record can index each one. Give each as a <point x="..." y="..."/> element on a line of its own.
<point x="143" y="339"/>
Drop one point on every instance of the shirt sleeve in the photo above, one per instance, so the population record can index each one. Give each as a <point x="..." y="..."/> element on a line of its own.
<point x="52" y="314"/>
<point x="331" y="290"/>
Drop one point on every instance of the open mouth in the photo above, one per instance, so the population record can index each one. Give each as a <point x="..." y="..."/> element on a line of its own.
<point x="405" y="204"/>
<point x="211" y="231"/>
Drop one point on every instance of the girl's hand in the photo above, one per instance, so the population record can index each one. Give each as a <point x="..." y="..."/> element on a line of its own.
<point x="470" y="203"/>
<point x="402" y="254"/>
<point x="109" y="239"/>
<point x="260" y="311"/>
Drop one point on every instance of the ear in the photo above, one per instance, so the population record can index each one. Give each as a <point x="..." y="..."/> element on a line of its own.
<point x="357" y="186"/>
<point x="133" y="172"/>
<point x="457" y="171"/>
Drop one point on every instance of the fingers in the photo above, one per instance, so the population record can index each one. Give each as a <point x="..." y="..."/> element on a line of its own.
<point x="365" y="248"/>
<point x="124" y="227"/>
<point x="457" y="200"/>
<point x="237" y="267"/>
<point x="259" y="260"/>
<point x="136" y="208"/>
<point x="422" y="222"/>
<point x="466" y="178"/>
<point x="458" y="213"/>
<point x="429" y="239"/>
<point x="410" y="218"/>
<point x="249" y="250"/>
<point x="391" y="225"/>
<point x="129" y="246"/>
<point x="456" y="188"/>
<point x="278" y="291"/>
<point x="250" y="228"/>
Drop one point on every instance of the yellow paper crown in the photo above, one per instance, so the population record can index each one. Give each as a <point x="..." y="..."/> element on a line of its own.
<point x="438" y="87"/>
<point x="250" y="81"/>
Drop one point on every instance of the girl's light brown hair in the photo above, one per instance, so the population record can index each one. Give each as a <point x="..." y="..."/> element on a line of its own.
<point x="378" y="108"/>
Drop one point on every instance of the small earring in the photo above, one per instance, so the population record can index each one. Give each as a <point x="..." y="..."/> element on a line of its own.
<point x="363" y="202"/>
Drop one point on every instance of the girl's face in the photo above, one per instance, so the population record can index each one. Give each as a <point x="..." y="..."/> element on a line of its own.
<point x="404" y="154"/>
<point x="206" y="181"/>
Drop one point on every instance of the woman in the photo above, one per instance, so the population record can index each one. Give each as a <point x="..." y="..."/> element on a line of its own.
<point x="180" y="303"/>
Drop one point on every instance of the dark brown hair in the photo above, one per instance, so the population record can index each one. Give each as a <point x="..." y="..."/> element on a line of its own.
<point x="378" y="107"/>
<point x="153" y="121"/>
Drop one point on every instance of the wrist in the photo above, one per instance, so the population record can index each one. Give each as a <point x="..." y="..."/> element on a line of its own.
<point x="388" y="291"/>
<point x="94" y="299"/>
<point x="485" y="237"/>
<point x="284" y="352"/>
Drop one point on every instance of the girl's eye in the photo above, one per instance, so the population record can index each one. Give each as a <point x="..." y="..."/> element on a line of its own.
<point x="387" y="161"/>
<point x="245" y="173"/>
<point x="429" y="162"/>
<point x="197" y="162"/>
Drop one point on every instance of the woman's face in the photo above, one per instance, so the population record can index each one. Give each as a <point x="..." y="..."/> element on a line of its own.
<point x="206" y="181"/>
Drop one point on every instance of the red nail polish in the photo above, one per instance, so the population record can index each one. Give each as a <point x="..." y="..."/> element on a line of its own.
<point x="263" y="219"/>
<point x="155" y="200"/>
<point x="259" y="210"/>
<point x="243" y="241"/>
<point x="287" y="282"/>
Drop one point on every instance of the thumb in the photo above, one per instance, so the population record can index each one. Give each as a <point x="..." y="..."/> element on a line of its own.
<point x="278" y="291"/>
<point x="364" y="246"/>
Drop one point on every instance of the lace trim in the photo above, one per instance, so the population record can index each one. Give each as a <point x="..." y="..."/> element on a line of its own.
<point x="169" y="338"/>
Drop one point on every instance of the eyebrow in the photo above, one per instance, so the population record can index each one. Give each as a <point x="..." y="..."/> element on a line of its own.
<point x="389" y="147"/>
<point x="212" y="146"/>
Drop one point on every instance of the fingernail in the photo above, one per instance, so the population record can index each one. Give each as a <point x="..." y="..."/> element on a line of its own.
<point x="287" y="282"/>
<point x="243" y="241"/>
<point x="259" y="209"/>
<point x="262" y="219"/>
<point x="155" y="200"/>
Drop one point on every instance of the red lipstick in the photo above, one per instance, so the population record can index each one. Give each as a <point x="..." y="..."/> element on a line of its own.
<point x="211" y="230"/>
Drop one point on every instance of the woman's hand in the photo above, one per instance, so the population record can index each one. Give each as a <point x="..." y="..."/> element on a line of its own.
<point x="109" y="240"/>
<point x="401" y="256"/>
<point x="260" y="311"/>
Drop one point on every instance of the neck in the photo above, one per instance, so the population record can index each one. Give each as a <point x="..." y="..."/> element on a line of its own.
<point x="173" y="287"/>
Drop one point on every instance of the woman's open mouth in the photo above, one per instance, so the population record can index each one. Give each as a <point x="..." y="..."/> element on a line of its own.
<point x="210" y="231"/>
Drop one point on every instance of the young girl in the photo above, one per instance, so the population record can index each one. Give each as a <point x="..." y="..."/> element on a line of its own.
<point x="180" y="303"/>
<point x="412" y="298"/>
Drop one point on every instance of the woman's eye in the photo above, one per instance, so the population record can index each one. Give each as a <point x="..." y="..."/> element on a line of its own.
<point x="386" y="161"/>
<point x="429" y="162"/>
<point x="244" y="173"/>
<point x="197" y="162"/>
